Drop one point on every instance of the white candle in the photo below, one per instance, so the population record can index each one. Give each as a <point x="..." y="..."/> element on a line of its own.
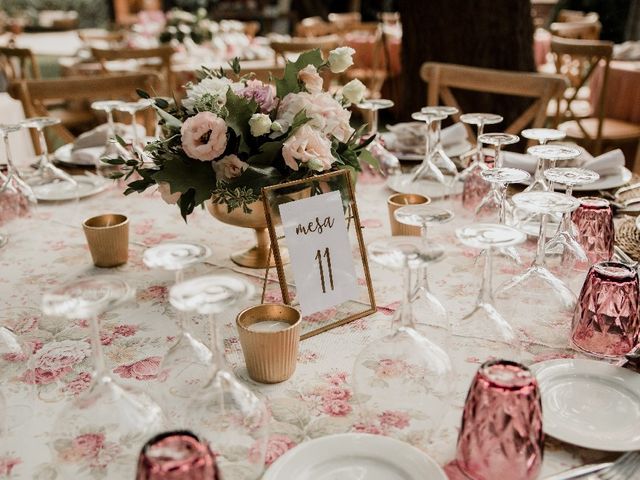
<point x="268" y="326"/>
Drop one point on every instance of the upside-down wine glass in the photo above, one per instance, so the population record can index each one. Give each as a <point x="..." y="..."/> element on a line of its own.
<point x="424" y="301"/>
<point x="101" y="432"/>
<point x="542" y="136"/>
<point x="26" y="198"/>
<point x="404" y="373"/>
<point x="427" y="168"/>
<point x="493" y="200"/>
<point x="545" y="204"/>
<point x="188" y="361"/>
<point x="223" y="411"/>
<point x="47" y="173"/>
<point x="14" y="357"/>
<point x="564" y="241"/>
<point x="112" y="148"/>
<point x="474" y="187"/>
<point x="438" y="149"/>
<point x="132" y="108"/>
<point x="484" y="321"/>
<point x="389" y="163"/>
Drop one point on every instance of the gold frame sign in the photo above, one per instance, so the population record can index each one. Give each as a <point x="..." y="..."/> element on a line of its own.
<point x="319" y="252"/>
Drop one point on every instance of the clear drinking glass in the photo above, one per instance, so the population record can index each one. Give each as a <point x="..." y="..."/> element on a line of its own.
<point x="438" y="149"/>
<point x="542" y="136"/>
<point x="545" y="204"/>
<point x="188" y="362"/>
<point x="389" y="163"/>
<point x="428" y="169"/>
<point x="404" y="373"/>
<point x="132" y="108"/>
<point x="564" y="241"/>
<point x="593" y="220"/>
<point x="100" y="432"/>
<point x="484" y="321"/>
<point x="501" y="434"/>
<point x="15" y="355"/>
<point x="222" y="411"/>
<point x="13" y="181"/>
<point x="112" y="148"/>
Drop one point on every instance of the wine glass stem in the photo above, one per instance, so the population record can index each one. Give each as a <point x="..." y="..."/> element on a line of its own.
<point x="438" y="133"/>
<point x="134" y="127"/>
<point x="112" y="130"/>
<point x="373" y="128"/>
<point x="539" y="260"/>
<point x="217" y="348"/>
<point x="43" y="147"/>
<point x="427" y="142"/>
<point x="498" y="154"/>
<point x="7" y="149"/>
<point x="486" y="289"/>
<point x="99" y="367"/>
<point x="180" y="315"/>
<point x="406" y="314"/>
<point x="502" y="189"/>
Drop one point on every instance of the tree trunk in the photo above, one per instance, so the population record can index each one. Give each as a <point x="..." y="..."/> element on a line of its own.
<point x="484" y="33"/>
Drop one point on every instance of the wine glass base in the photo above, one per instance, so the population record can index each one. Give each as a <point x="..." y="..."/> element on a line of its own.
<point x="545" y="279"/>
<point x="427" y="170"/>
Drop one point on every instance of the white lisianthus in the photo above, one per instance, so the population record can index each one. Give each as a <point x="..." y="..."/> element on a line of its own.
<point x="260" y="124"/>
<point x="340" y="59"/>
<point x="214" y="86"/>
<point x="276" y="127"/>
<point x="353" y="92"/>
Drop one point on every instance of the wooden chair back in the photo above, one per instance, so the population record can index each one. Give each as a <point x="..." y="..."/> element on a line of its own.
<point x="35" y="94"/>
<point x="93" y="37"/>
<point x="299" y="45"/>
<point x="577" y="16"/>
<point x="314" y="27"/>
<point x="161" y="54"/>
<point x="442" y="77"/>
<point x="577" y="30"/>
<point x="18" y="64"/>
<point x="578" y="59"/>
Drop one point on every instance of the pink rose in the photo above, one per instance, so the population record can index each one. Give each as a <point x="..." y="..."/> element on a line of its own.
<point x="391" y="418"/>
<point x="311" y="79"/>
<point x="125" y="330"/>
<point x="165" y="192"/>
<point x="263" y="94"/>
<point x="336" y="408"/>
<point x="229" y="167"/>
<point x="307" y="146"/>
<point x="145" y="369"/>
<point x="337" y="393"/>
<point x="204" y="136"/>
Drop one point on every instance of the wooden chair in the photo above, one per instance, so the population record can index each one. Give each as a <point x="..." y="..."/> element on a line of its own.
<point x="18" y="64"/>
<point x="298" y="45"/>
<point x="577" y="30"/>
<point x="98" y="38"/>
<point x="314" y="27"/>
<point x="542" y="87"/>
<point x="592" y="131"/>
<point x="34" y="95"/>
<point x="157" y="58"/>
<point x="375" y="74"/>
<point x="577" y="16"/>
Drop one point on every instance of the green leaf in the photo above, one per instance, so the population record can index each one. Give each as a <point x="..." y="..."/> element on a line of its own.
<point x="289" y="82"/>
<point x="161" y="103"/>
<point x="256" y="178"/>
<point x="365" y="156"/>
<point x="187" y="203"/>
<point x="184" y="174"/>
<point x="142" y="93"/>
<point x="298" y="120"/>
<point x="121" y="141"/>
<point x="268" y="153"/>
<point x="235" y="65"/>
<point x="170" y="120"/>
<point x="240" y="111"/>
<point x="115" y="161"/>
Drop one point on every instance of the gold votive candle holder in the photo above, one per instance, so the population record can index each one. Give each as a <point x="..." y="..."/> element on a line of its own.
<point x="108" y="239"/>
<point x="270" y="336"/>
<point x="398" y="200"/>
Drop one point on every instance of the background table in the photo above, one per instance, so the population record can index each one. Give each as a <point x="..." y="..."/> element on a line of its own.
<point x="622" y="98"/>
<point x="49" y="249"/>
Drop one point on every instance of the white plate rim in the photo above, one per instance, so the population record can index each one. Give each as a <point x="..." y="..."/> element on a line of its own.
<point x="90" y="179"/>
<point x="345" y="441"/>
<point x="594" y="368"/>
<point x="603" y="183"/>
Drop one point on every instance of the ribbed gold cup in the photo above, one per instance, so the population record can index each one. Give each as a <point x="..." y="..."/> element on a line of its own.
<point x="270" y="357"/>
<point x="108" y="239"/>
<point x="398" y="200"/>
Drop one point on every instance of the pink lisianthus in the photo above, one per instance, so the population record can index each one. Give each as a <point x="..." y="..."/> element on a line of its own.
<point x="311" y="79"/>
<point x="307" y="146"/>
<point x="263" y="94"/>
<point x="229" y="167"/>
<point x="204" y="136"/>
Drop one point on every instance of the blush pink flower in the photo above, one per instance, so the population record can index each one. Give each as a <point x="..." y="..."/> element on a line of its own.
<point x="311" y="79"/>
<point x="390" y="418"/>
<point x="204" y="136"/>
<point x="337" y="378"/>
<point x="308" y="147"/>
<point x="229" y="167"/>
<point x="145" y="369"/>
<point x="336" y="408"/>
<point x="263" y="94"/>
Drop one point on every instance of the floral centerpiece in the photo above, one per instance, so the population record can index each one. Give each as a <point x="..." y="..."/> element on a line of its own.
<point x="231" y="137"/>
<point x="181" y="25"/>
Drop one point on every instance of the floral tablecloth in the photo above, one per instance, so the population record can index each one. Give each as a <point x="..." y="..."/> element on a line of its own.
<point x="49" y="248"/>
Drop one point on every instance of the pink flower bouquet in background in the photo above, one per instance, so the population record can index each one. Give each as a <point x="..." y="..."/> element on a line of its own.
<point x="231" y="137"/>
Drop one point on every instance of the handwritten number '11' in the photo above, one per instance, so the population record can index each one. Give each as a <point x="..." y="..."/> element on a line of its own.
<point x="327" y="256"/>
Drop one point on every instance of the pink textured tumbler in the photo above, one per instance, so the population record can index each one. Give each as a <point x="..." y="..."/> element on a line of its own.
<point x="594" y="221"/>
<point x="605" y="322"/>
<point x="501" y="435"/>
<point x="176" y="456"/>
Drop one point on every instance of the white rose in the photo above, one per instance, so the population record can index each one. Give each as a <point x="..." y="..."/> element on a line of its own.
<point x="260" y="124"/>
<point x="340" y="59"/>
<point x="354" y="91"/>
<point x="228" y="168"/>
<point x="276" y="127"/>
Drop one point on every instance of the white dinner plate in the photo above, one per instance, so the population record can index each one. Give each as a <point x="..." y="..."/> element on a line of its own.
<point x="402" y="184"/>
<point x="64" y="155"/>
<point x="590" y="404"/>
<point x="60" y="191"/>
<point x="354" y="456"/>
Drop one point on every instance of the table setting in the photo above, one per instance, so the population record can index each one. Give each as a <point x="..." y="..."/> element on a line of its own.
<point x="409" y="305"/>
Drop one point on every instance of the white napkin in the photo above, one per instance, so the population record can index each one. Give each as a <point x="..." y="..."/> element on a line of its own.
<point x="522" y="161"/>
<point x="608" y="163"/>
<point x="627" y="51"/>
<point x="453" y="134"/>
<point x="98" y="136"/>
<point x="87" y="156"/>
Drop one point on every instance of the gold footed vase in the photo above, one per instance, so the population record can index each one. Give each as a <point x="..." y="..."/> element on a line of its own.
<point x="258" y="255"/>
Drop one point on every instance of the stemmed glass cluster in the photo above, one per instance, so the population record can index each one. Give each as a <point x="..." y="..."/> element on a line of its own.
<point x="428" y="169"/>
<point x="110" y="421"/>
<point x="415" y="369"/>
<point x="222" y="410"/>
<point x="542" y="136"/>
<point x="132" y="108"/>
